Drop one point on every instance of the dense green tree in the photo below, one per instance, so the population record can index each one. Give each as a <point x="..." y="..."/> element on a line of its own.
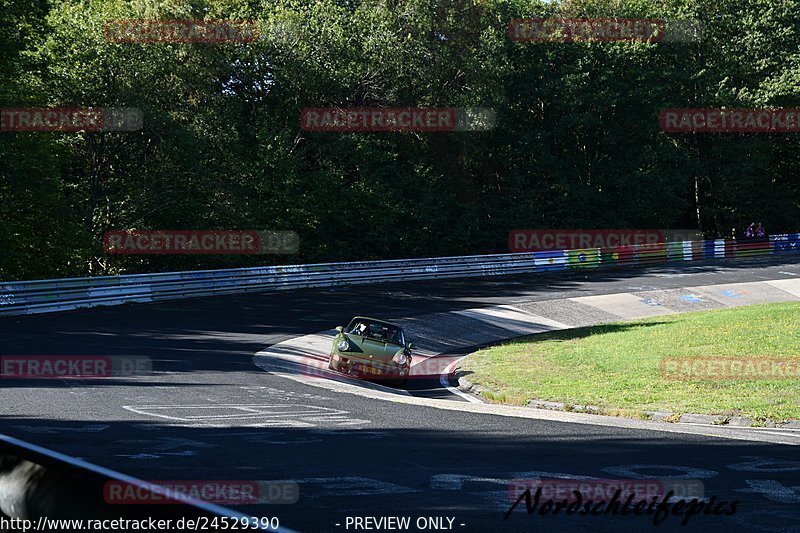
<point x="576" y="141"/>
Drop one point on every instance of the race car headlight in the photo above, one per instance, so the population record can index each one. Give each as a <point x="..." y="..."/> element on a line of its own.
<point x="343" y="345"/>
<point x="400" y="359"/>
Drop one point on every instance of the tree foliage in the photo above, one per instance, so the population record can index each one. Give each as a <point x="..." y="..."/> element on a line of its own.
<point x="576" y="143"/>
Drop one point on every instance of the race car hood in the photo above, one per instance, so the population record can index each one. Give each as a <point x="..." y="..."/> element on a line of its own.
<point x="379" y="350"/>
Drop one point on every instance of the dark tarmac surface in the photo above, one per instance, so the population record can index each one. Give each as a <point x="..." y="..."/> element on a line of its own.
<point x="206" y="412"/>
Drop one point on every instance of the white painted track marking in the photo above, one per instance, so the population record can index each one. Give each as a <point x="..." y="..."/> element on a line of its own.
<point x="222" y="415"/>
<point x="445" y="382"/>
<point x="512" y="319"/>
<point x="792" y="286"/>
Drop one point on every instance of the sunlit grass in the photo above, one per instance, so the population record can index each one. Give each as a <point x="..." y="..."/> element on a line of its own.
<point x="616" y="366"/>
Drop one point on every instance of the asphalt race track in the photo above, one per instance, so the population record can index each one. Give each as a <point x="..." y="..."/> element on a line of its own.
<point x="208" y="412"/>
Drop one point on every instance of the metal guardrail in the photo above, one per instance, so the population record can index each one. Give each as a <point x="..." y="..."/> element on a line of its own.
<point x="43" y="296"/>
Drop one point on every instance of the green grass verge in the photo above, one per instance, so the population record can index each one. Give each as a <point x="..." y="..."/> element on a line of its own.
<point x="616" y="366"/>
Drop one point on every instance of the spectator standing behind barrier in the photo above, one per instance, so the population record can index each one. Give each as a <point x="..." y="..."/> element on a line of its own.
<point x="749" y="232"/>
<point x="760" y="231"/>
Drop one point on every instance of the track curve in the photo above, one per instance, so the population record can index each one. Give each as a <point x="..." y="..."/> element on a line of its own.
<point x="206" y="412"/>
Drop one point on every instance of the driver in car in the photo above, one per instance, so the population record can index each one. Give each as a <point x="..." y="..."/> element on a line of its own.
<point x="359" y="329"/>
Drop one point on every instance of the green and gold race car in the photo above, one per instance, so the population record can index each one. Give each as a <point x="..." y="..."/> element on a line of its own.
<point x="371" y="348"/>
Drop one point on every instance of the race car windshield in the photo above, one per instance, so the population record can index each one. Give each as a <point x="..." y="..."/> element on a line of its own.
<point x="377" y="331"/>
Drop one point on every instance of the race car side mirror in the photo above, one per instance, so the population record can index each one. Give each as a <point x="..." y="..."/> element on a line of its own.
<point x="340" y="329"/>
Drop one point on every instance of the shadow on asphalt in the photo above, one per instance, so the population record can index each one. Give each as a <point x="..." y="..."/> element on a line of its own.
<point x="428" y="472"/>
<point x="222" y="334"/>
